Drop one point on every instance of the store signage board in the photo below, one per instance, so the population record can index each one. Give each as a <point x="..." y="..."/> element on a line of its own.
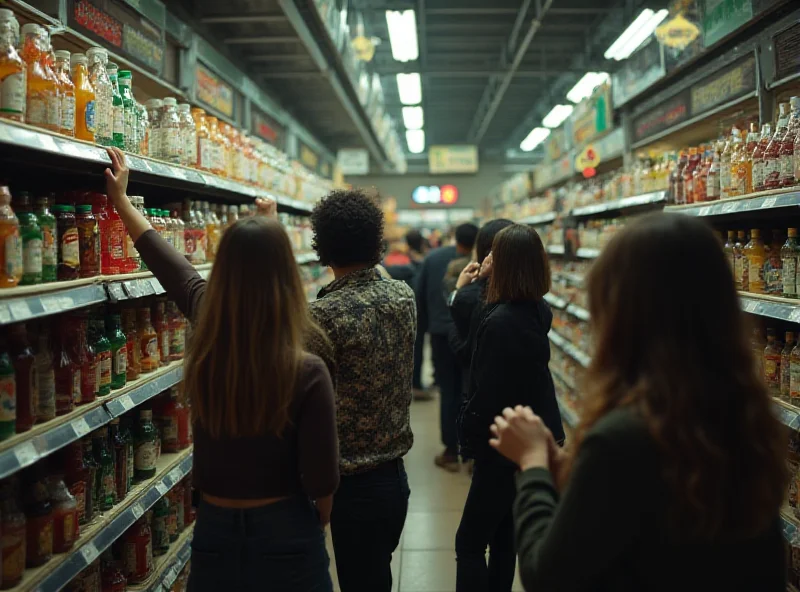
<point x="668" y="114"/>
<point x="266" y="128"/>
<point x="453" y="159"/>
<point x="152" y="9"/>
<point x="727" y="85"/>
<point x="308" y="158"/>
<point x="353" y="161"/>
<point x="592" y="117"/>
<point x="325" y="169"/>
<point x="638" y="72"/>
<point x="212" y="91"/>
<point x="723" y="17"/>
<point x="442" y="195"/>
<point x="434" y="218"/>
<point x="787" y="52"/>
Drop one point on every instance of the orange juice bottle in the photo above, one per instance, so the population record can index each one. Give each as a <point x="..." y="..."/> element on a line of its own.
<point x="67" y="94"/>
<point x="41" y="90"/>
<point x="84" y="98"/>
<point x="10" y="243"/>
<point x="12" y="69"/>
<point x="218" y="158"/>
<point x="204" y="148"/>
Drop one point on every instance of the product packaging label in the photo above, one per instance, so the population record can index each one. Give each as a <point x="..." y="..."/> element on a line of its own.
<point x="49" y="250"/>
<point x="70" y="248"/>
<point x="8" y="399"/>
<point x="120" y="361"/>
<point x="37" y="111"/>
<point x="789" y="276"/>
<point x="105" y="368"/>
<point x="12" y="94"/>
<point x="32" y="256"/>
<point x="89" y="117"/>
<point x="54" y="111"/>
<point x="145" y="456"/>
<point x="68" y="113"/>
<point x="13" y="262"/>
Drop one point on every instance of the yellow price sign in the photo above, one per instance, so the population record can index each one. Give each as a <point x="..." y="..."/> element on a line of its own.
<point x="589" y="158"/>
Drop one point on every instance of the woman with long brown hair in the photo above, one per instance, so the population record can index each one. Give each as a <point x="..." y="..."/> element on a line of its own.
<point x="265" y="443"/>
<point x="509" y="367"/>
<point x="677" y="472"/>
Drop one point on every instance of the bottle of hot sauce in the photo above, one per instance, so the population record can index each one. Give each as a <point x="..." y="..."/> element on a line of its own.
<point x="25" y="374"/>
<point x="39" y="514"/>
<point x="77" y="476"/>
<point x="132" y="345"/>
<point x="148" y="340"/>
<point x="688" y="175"/>
<point x="138" y="551"/>
<point x="700" y="177"/>
<point x="65" y="515"/>
<point x="772" y="155"/>
<point x="161" y="325"/>
<point x="13" y="526"/>
<point x="758" y="157"/>
<point x="67" y="370"/>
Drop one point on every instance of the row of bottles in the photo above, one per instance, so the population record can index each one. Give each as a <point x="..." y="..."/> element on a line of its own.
<point x="49" y="367"/>
<point x="765" y="266"/>
<point x="779" y="360"/>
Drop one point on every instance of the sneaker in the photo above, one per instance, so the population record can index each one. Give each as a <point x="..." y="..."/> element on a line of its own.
<point x="448" y="462"/>
<point x="423" y="394"/>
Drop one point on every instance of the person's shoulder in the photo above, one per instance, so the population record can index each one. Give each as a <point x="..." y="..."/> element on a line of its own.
<point x="313" y="370"/>
<point x="623" y="427"/>
<point x="441" y="253"/>
<point x="398" y="288"/>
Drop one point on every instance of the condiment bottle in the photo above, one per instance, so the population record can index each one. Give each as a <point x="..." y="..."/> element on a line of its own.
<point x="27" y="391"/>
<point x="188" y="510"/>
<point x="87" y="359"/>
<point x="106" y="473"/>
<point x="735" y="156"/>
<point x="47" y="223"/>
<point x="119" y="351"/>
<point x="67" y="371"/>
<point x="45" y="376"/>
<point x="160" y="526"/>
<point x="756" y="255"/>
<point x="12" y="69"/>
<point x="39" y="514"/>
<point x="132" y="346"/>
<point x="758" y="159"/>
<point x="79" y="479"/>
<point x="148" y="341"/>
<point x="772" y="364"/>
<point x="786" y="355"/>
<point x="67" y="93"/>
<point x="102" y="347"/>
<point x="132" y="257"/>
<point x="94" y="468"/>
<point x="773" y="265"/>
<point x="787" y="144"/>
<point x="48" y="60"/>
<point x="161" y="325"/>
<point x="167" y="421"/>
<point x="741" y="271"/>
<point x="84" y="99"/>
<point x="205" y="147"/>
<point x="8" y="393"/>
<point x="772" y="155"/>
<point x="69" y="256"/>
<point x="179" y="228"/>
<point x="138" y="551"/>
<point x="688" y="175"/>
<point x="122" y="461"/>
<point x="117" y="241"/>
<point x="176" y="332"/>
<point x="88" y="241"/>
<point x="32" y="240"/>
<point x="744" y="165"/>
<point x="113" y="579"/>
<point x="145" y="452"/>
<point x="729" y="249"/>
<point x="218" y="147"/>
<point x="188" y="139"/>
<point x="126" y="433"/>
<point x="10" y="243"/>
<point x="171" y="132"/>
<point x="65" y="515"/>
<point x="14" y="527"/>
<point x="41" y="89"/>
<point x="176" y="514"/>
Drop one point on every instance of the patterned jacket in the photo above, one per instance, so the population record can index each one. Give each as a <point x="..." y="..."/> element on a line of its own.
<point x="371" y="323"/>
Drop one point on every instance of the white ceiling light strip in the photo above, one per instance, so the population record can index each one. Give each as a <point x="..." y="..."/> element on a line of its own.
<point x="409" y="87"/>
<point x="403" y="35"/>
<point x="416" y="141"/>
<point x="586" y="85"/>
<point x="536" y="137"/>
<point x="557" y="116"/>
<point x="639" y="30"/>
<point x="413" y="118"/>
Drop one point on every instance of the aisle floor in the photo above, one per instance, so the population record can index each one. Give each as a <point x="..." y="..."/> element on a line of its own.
<point x="425" y="559"/>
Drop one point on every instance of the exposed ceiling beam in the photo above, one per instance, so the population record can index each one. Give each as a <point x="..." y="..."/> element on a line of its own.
<point x="496" y="89"/>
<point x="260" y="40"/>
<point x="276" y="57"/>
<point x="243" y="18"/>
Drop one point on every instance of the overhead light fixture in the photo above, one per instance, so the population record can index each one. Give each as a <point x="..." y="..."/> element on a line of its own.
<point x="416" y="141"/>
<point x="557" y="116"/>
<point x="586" y="85"/>
<point x="409" y="87"/>
<point x="403" y="35"/>
<point x="536" y="137"/>
<point x="413" y="118"/>
<point x="639" y="30"/>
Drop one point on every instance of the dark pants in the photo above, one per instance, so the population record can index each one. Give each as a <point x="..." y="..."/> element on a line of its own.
<point x="448" y="375"/>
<point x="369" y="511"/>
<point x="419" y="343"/>
<point x="279" y="547"/>
<point x="487" y="522"/>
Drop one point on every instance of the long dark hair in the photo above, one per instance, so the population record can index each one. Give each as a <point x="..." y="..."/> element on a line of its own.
<point x="671" y="342"/>
<point x="520" y="267"/>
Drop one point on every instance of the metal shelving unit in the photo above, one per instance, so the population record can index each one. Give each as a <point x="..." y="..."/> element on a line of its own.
<point x="569" y="348"/>
<point x="655" y="198"/>
<point x="168" y="566"/>
<point x="755" y="202"/>
<point x="539" y="219"/>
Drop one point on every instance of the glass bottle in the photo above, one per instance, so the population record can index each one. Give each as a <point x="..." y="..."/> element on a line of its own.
<point x="27" y="389"/>
<point x="132" y="346"/>
<point x="117" y="241"/>
<point x="102" y="348"/>
<point x="13" y="526"/>
<point x="8" y="393"/>
<point x="145" y="452"/>
<point x="176" y="332"/>
<point x="734" y="157"/>
<point x="167" y="420"/>
<point x="112" y="576"/>
<point x="78" y="478"/>
<point x="188" y="131"/>
<point x="137" y="545"/>
<point x="688" y="175"/>
<point x="758" y="158"/>
<point x="84" y="98"/>
<point x="730" y="249"/>
<point x="772" y="364"/>
<point x="725" y="167"/>
<point x="756" y="255"/>
<point x="154" y="136"/>
<point x="101" y="83"/>
<point x="744" y="163"/>
<point x="218" y="158"/>
<point x="160" y="529"/>
<point x="190" y="238"/>
<point x="200" y="237"/>
<point x="67" y="93"/>
<point x="794" y="375"/>
<point x="32" y="240"/>
<point x="47" y="223"/>
<point x="92" y="503"/>
<point x="772" y="155"/>
<point x="699" y="177"/>
<point x="787" y="144"/>
<point x="741" y="271"/>
<point x="170" y="132"/>
<point x="142" y="127"/>
<point x="65" y="515"/>
<point x="45" y="376"/>
<point x="13" y="70"/>
<point x="69" y="255"/>
<point x="212" y="232"/>
<point x="129" y="123"/>
<point x="161" y="325"/>
<point x="41" y="90"/>
<point x="180" y="232"/>
<point x="39" y="515"/>
<point x="10" y="243"/>
<point x="148" y="341"/>
<point x="121" y="461"/>
<point x="133" y="260"/>
<point x="88" y="241"/>
<point x="773" y="265"/>
<point x="105" y="480"/>
<point x="126" y="433"/>
<point x="786" y="354"/>
<point x="48" y="60"/>
<point x="119" y="351"/>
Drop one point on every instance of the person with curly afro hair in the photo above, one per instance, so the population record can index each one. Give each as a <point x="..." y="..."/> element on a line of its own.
<point x="371" y="322"/>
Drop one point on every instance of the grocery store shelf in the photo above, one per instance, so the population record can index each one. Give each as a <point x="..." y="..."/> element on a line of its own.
<point x="789" y="524"/>
<point x="538" y="219"/>
<point x="97" y="537"/>
<point x="571" y="278"/>
<point x="789" y="415"/>
<point x="24" y="143"/>
<point x="567" y="413"/>
<point x="555" y="301"/>
<point x="588" y="253"/>
<point x="774" y="307"/>
<point x="168" y="567"/>
<point x="569" y="348"/>
<point x="655" y="198"/>
<point x="764" y="200"/>
<point x="568" y="382"/>
<point x="303" y="258"/>
<point x="578" y="312"/>
<point x="22" y="450"/>
<point x="556" y="249"/>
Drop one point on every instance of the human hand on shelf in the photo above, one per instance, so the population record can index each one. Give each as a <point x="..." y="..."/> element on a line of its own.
<point x="468" y="275"/>
<point x="521" y="436"/>
<point x="486" y="267"/>
<point x="266" y="206"/>
<point x="117" y="178"/>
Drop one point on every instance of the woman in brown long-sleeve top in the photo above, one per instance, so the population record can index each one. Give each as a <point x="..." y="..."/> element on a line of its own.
<point x="265" y="445"/>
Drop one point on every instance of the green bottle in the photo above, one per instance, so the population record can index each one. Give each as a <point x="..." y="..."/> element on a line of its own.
<point x="119" y="351"/>
<point x="117" y="109"/>
<point x="47" y="223"/>
<point x="102" y="349"/>
<point x="8" y="394"/>
<point x="127" y="435"/>
<point x="145" y="451"/>
<point x="160" y="530"/>
<point x="32" y="239"/>
<point x="105" y="484"/>
<point x="129" y="111"/>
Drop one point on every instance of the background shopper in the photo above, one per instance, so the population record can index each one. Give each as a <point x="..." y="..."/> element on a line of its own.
<point x="678" y="474"/>
<point x="509" y="367"/>
<point x="371" y="323"/>
<point x="434" y="318"/>
<point x="263" y="413"/>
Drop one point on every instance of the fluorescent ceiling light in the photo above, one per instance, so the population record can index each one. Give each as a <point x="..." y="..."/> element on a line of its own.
<point x="639" y="30"/>
<point x="409" y="87"/>
<point x="557" y="116"/>
<point x="416" y="141"/>
<point x="586" y="85"/>
<point x="413" y="118"/>
<point x="536" y="137"/>
<point x="403" y="35"/>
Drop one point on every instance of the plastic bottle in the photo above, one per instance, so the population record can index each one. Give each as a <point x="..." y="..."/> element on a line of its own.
<point x="772" y="155"/>
<point x="772" y="364"/>
<point x="54" y="116"/>
<point x="148" y="341"/>
<point x="40" y="89"/>
<point x="758" y="157"/>
<point x="67" y="371"/>
<point x="787" y="144"/>
<point x="212" y="232"/>
<point x="179" y="229"/>
<point x="744" y="163"/>
<point x="756" y="256"/>
<point x="154" y="135"/>
<point x="117" y="108"/>
<point x="119" y="351"/>
<point x="161" y="325"/>
<point x="188" y="135"/>
<point x="218" y="146"/>
<point x="10" y="243"/>
<point x="32" y="238"/>
<point x="13" y="70"/>
<point x="129" y="117"/>
<point x="27" y="389"/>
<point x="88" y="241"/>
<point x="117" y="241"/>
<point x="688" y="175"/>
<point x="47" y="223"/>
<point x="176" y="332"/>
<point x="205" y="148"/>
<point x="129" y="327"/>
<point x="69" y="258"/>
<point x="84" y="98"/>
<point x="789" y="255"/>
<point x="133" y="261"/>
<point x="736" y="147"/>
<point x="171" y="132"/>
<point x="103" y="108"/>
<point x="45" y="376"/>
<point x="67" y="93"/>
<point x="142" y="127"/>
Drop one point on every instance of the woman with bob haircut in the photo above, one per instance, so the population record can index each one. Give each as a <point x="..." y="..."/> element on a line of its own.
<point x="265" y="446"/>
<point x="509" y="367"/>
<point x="677" y="472"/>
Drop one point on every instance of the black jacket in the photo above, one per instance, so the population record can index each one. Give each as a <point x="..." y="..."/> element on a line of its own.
<point x="465" y="310"/>
<point x="405" y="273"/>
<point x="509" y="367"/>
<point x="432" y="314"/>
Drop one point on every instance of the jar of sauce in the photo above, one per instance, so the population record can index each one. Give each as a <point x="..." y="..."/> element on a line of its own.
<point x="69" y="260"/>
<point x="13" y="526"/>
<point x="88" y="241"/>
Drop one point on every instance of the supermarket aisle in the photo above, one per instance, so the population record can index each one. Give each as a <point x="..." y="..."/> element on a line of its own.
<point x="425" y="560"/>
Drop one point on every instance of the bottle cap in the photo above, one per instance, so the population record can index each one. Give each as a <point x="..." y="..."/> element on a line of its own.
<point x="792" y="232"/>
<point x="97" y="51"/>
<point x="755" y="233"/>
<point x="83" y="208"/>
<point x="170" y="101"/>
<point x="30" y="29"/>
<point x="78" y="58"/>
<point x="153" y="104"/>
<point x="6" y="14"/>
<point x="125" y="74"/>
<point x="63" y="208"/>
<point x="62" y="54"/>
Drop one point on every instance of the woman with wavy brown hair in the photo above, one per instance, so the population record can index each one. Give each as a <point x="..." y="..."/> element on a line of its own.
<point x="677" y="472"/>
<point x="265" y="446"/>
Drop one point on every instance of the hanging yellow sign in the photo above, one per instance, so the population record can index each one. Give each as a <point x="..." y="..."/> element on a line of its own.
<point x="677" y="33"/>
<point x="588" y="158"/>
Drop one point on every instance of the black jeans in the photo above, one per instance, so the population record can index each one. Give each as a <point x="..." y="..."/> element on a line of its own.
<point x="448" y="374"/>
<point x="487" y="522"/>
<point x="279" y="547"/>
<point x="369" y="512"/>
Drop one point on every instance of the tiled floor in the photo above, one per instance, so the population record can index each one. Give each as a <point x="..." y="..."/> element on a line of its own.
<point x="425" y="560"/>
